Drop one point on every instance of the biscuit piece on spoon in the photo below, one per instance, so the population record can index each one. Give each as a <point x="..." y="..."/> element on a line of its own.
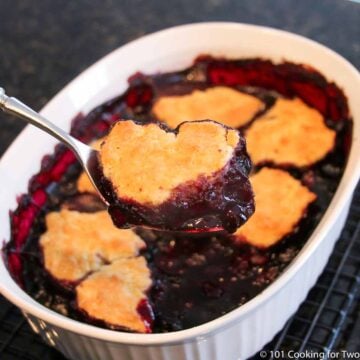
<point x="193" y="178"/>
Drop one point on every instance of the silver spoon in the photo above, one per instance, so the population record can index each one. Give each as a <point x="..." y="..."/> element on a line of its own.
<point x="83" y="152"/>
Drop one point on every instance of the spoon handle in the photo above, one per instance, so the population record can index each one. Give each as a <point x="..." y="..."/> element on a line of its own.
<point x="15" y="107"/>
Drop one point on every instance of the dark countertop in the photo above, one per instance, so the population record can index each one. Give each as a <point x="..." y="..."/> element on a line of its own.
<point x="46" y="43"/>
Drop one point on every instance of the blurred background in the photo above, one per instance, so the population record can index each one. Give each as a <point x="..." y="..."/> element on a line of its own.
<point x="46" y="43"/>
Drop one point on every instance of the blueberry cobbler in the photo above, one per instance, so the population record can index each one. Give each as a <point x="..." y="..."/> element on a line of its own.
<point x="66" y="252"/>
<point x="193" y="178"/>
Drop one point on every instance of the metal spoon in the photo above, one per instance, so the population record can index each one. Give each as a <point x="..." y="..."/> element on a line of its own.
<point x="83" y="152"/>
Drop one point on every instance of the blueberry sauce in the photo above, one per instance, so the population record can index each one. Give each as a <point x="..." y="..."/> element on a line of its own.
<point x="196" y="277"/>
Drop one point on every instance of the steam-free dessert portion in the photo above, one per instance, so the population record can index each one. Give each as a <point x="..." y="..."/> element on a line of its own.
<point x="194" y="178"/>
<point x="290" y="133"/>
<point x="281" y="202"/>
<point x="77" y="243"/>
<point x="146" y="163"/>
<point x="223" y="104"/>
<point x="114" y="294"/>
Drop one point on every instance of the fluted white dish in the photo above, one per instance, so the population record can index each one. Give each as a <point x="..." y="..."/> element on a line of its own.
<point x="243" y="331"/>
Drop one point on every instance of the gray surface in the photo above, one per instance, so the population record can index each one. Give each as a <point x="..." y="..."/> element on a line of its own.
<point x="44" y="44"/>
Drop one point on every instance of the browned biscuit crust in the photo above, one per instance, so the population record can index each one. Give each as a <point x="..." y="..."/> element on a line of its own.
<point x="114" y="293"/>
<point x="223" y="104"/>
<point x="144" y="163"/>
<point x="75" y="243"/>
<point x="290" y="133"/>
<point x="281" y="202"/>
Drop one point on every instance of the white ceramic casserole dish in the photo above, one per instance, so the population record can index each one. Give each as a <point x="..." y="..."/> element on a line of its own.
<point x="242" y="332"/>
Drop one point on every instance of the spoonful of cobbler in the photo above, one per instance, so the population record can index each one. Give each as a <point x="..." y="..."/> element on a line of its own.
<point x="191" y="179"/>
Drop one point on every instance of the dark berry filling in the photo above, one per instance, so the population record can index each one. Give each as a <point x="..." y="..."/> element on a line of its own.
<point x="196" y="277"/>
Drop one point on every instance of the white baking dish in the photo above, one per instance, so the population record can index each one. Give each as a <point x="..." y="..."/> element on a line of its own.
<point x="240" y="333"/>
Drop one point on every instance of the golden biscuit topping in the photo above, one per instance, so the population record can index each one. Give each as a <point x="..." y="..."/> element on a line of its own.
<point x="223" y="104"/>
<point x="281" y="202"/>
<point x="290" y="133"/>
<point x="145" y="163"/>
<point x="113" y="293"/>
<point x="75" y="243"/>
